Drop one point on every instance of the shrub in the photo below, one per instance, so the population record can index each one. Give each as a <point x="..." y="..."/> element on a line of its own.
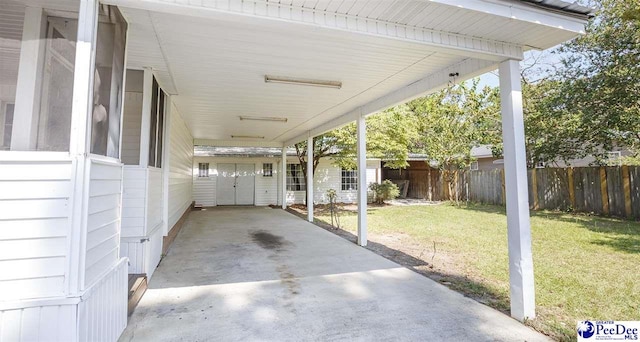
<point x="384" y="191"/>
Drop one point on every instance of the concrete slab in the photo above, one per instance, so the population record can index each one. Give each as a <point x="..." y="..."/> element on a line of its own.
<point x="261" y="274"/>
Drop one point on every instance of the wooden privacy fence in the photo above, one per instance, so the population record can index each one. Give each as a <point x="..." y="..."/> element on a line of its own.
<point x="602" y="190"/>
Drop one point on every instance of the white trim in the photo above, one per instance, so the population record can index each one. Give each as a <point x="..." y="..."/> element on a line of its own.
<point x="145" y="124"/>
<point x="247" y="10"/>
<point x="466" y="69"/>
<point x="522" y="12"/>
<point x="80" y="139"/>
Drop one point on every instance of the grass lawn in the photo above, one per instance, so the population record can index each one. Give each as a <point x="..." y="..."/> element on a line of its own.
<point x="585" y="267"/>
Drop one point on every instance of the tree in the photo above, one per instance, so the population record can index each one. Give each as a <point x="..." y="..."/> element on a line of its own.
<point x="451" y="122"/>
<point x="389" y="136"/>
<point x="599" y="81"/>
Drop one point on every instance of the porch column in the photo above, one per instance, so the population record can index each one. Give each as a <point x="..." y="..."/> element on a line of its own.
<point x="362" y="181"/>
<point x="517" y="198"/>
<point x="283" y="176"/>
<point x="81" y="110"/>
<point x="310" y="179"/>
<point x="27" y="106"/>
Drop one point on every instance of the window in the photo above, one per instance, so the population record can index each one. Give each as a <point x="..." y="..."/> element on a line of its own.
<point x="158" y="104"/>
<point x="349" y="180"/>
<point x="295" y="178"/>
<point x="540" y="164"/>
<point x="108" y="82"/>
<point x="614" y="158"/>
<point x="473" y="166"/>
<point x="267" y="170"/>
<point x="203" y="169"/>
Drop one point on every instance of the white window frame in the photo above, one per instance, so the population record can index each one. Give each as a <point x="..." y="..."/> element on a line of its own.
<point x="348" y="180"/>
<point x="541" y="164"/>
<point x="203" y="170"/>
<point x="267" y="169"/>
<point x="474" y="166"/>
<point x="300" y="184"/>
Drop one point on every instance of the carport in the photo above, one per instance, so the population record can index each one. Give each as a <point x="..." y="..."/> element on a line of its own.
<point x="274" y="73"/>
<point x="248" y="274"/>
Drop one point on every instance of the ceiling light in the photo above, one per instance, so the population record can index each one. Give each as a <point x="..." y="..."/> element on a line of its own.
<point x="263" y="118"/>
<point x="247" y="137"/>
<point x="302" y="81"/>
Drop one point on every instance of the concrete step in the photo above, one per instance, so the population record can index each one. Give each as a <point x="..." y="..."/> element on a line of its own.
<point x="137" y="288"/>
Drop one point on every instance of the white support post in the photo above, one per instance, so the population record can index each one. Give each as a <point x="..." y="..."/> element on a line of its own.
<point x="310" y="179"/>
<point x="283" y="178"/>
<point x="166" y="169"/>
<point x="518" y="223"/>
<point x="27" y="110"/>
<point x="145" y="124"/>
<point x="362" y="181"/>
<point x="82" y="107"/>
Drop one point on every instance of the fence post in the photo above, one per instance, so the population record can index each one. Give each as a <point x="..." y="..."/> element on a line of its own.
<point x="603" y="190"/>
<point x="534" y="188"/>
<point x="504" y="195"/>
<point x="626" y="183"/>
<point x="572" y="190"/>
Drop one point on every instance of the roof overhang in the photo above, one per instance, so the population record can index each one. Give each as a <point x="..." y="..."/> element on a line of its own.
<point x="213" y="56"/>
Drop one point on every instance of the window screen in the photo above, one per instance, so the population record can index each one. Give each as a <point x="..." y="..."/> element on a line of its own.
<point x="156" y="134"/>
<point x="108" y="82"/>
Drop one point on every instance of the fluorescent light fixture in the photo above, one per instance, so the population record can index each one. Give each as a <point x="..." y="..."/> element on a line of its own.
<point x="302" y="81"/>
<point x="247" y="137"/>
<point x="263" y="118"/>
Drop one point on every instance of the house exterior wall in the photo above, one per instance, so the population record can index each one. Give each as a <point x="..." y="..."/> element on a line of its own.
<point x="180" y="167"/>
<point x="267" y="189"/>
<point x="103" y="222"/>
<point x="34" y="227"/>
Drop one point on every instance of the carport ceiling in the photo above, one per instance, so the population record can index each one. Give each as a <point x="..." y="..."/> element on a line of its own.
<point x="215" y="66"/>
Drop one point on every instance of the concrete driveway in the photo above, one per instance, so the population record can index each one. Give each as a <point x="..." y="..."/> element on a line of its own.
<point x="261" y="274"/>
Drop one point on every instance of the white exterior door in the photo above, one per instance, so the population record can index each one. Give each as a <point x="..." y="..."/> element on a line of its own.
<point x="245" y="184"/>
<point x="226" y="184"/>
<point x="236" y="184"/>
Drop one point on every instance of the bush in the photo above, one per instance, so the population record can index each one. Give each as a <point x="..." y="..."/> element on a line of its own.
<point x="384" y="191"/>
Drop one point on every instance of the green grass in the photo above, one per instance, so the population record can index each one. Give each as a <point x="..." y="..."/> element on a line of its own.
<point x="585" y="267"/>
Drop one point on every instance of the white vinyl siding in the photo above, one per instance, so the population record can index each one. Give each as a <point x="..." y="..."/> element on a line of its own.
<point x="204" y="188"/>
<point x="267" y="189"/>
<point x="180" y="168"/>
<point x="134" y="201"/>
<point x="34" y="228"/>
<point x="103" y="222"/>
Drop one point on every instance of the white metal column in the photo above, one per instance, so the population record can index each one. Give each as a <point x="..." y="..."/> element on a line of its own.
<point x="82" y="107"/>
<point x="28" y="87"/>
<point x="362" y="181"/>
<point x="518" y="223"/>
<point x="310" y="179"/>
<point x="283" y="176"/>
